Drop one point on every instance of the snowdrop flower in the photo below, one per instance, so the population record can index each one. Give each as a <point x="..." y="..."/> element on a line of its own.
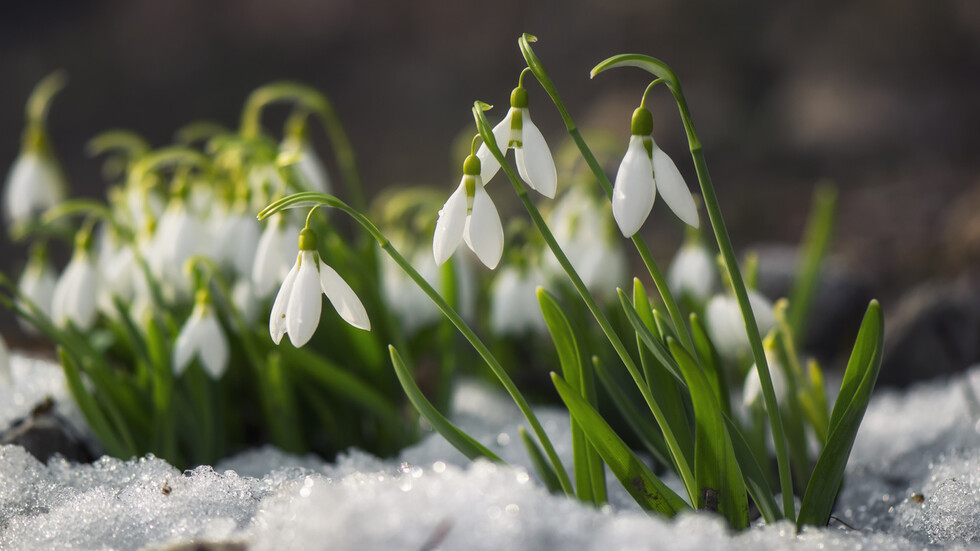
<point x="469" y="215"/>
<point x="581" y="224"/>
<point x="403" y="297"/>
<point x="34" y="185"/>
<point x="297" y="307"/>
<point x="202" y="337"/>
<point x="534" y="161"/>
<point x="514" y="306"/>
<point x="309" y="166"/>
<point x="236" y="240"/>
<point x="179" y="235"/>
<point x="752" y="389"/>
<point x="245" y="300"/>
<point x="692" y="272"/>
<point x="724" y="323"/>
<point x="645" y="170"/>
<point x="274" y="255"/>
<point x="76" y="293"/>
<point x="37" y="284"/>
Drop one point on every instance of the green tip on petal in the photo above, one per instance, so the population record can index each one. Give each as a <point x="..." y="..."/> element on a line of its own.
<point x="471" y="166"/>
<point x="642" y="123"/>
<point x="307" y="240"/>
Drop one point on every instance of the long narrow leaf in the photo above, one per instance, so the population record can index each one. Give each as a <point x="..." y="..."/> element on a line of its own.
<point x="540" y="462"/>
<point x="570" y="359"/>
<point x="459" y="439"/>
<point x="828" y="474"/>
<point x="648" y="491"/>
<point x="715" y="465"/>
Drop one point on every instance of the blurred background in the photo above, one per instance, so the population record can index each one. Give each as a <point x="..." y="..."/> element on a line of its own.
<point x="878" y="97"/>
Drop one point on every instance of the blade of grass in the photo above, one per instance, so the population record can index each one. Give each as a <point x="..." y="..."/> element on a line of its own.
<point x="459" y="439"/>
<point x="852" y="402"/>
<point x="649" y="492"/>
<point x="541" y="465"/>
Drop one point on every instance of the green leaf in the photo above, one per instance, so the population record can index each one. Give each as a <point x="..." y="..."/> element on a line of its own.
<point x="716" y="468"/>
<point x="852" y="402"/>
<point x="459" y="439"/>
<point x="816" y="243"/>
<point x="711" y="363"/>
<point x="570" y="359"/>
<point x="540" y="462"/>
<point x="90" y="407"/>
<point x="646" y="431"/>
<point x="756" y="479"/>
<point x="662" y="385"/>
<point x="648" y="491"/>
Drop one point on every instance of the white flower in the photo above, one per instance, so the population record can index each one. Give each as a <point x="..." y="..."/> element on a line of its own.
<point x="724" y="323"/>
<point x="275" y="254"/>
<point x="245" y="300"/>
<point x="236" y="237"/>
<point x="297" y="307"/>
<point x="534" y="160"/>
<point x="6" y="376"/>
<point x="34" y="185"/>
<point x="582" y="227"/>
<point x="37" y="284"/>
<point x="645" y="170"/>
<point x="75" y="295"/>
<point x="403" y="297"/>
<point x="179" y="236"/>
<point x="309" y="166"/>
<point x="752" y="389"/>
<point x="514" y="306"/>
<point x="469" y="215"/>
<point x="203" y="338"/>
<point x="692" y="272"/>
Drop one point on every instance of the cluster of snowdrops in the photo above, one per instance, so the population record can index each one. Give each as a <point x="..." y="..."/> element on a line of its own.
<point x="169" y="281"/>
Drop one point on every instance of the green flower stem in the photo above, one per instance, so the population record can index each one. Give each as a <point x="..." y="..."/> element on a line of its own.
<point x="311" y="198"/>
<point x="317" y="103"/>
<point x="40" y="99"/>
<point x="661" y="70"/>
<point x="651" y="265"/>
<point x="683" y="466"/>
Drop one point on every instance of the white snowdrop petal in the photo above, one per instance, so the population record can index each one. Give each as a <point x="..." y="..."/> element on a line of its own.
<point x="245" y="244"/>
<point x="33" y="185"/>
<point x="312" y="170"/>
<point x="187" y="344"/>
<point x="488" y="163"/>
<point x="86" y="300"/>
<point x="449" y="226"/>
<point x="38" y="285"/>
<point x="343" y="298"/>
<point x="673" y="189"/>
<point x="692" y="272"/>
<point x="213" y="350"/>
<point x="483" y="232"/>
<point x="305" y="304"/>
<point x="634" y="191"/>
<point x="277" y="319"/>
<point x="534" y="160"/>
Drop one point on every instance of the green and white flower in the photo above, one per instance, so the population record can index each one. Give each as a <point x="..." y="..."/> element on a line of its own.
<point x="469" y="215"/>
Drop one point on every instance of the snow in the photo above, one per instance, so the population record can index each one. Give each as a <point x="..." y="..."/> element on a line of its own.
<point x="913" y="482"/>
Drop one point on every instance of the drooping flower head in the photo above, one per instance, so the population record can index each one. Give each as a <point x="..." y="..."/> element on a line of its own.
<point x="274" y="255"/>
<point x="202" y="338"/>
<point x="693" y="272"/>
<point x="645" y="170"/>
<point x="534" y="161"/>
<point x="298" y="305"/>
<point x="76" y="294"/>
<point x="37" y="283"/>
<point x="469" y="215"/>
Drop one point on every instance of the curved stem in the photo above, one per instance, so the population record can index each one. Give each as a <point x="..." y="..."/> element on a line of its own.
<point x="40" y="99"/>
<point x="651" y="265"/>
<point x="683" y="466"/>
<point x="643" y="100"/>
<point x="661" y="70"/>
<point x="312" y="198"/>
<point x="317" y="103"/>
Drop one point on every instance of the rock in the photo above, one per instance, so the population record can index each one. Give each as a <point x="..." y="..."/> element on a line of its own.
<point x="44" y="433"/>
<point x="933" y="331"/>
<point x="836" y="311"/>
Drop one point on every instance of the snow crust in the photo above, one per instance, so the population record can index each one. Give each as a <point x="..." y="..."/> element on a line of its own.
<point x="913" y="482"/>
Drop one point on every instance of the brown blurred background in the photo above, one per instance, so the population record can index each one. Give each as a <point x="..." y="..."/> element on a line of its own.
<point x="879" y="96"/>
